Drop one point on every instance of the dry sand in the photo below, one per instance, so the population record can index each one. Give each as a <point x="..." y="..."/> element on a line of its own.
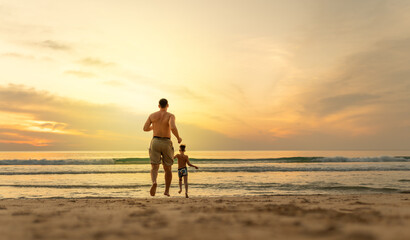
<point x="368" y="217"/>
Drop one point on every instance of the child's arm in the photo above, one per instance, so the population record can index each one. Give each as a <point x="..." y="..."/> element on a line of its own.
<point x="189" y="163"/>
<point x="175" y="156"/>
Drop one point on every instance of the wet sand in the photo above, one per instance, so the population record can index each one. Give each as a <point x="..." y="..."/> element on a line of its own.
<point x="367" y="217"/>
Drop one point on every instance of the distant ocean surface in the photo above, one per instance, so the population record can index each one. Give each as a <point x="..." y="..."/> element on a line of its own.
<point x="220" y="173"/>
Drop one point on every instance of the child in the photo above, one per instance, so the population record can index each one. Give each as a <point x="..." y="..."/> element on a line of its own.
<point x="182" y="170"/>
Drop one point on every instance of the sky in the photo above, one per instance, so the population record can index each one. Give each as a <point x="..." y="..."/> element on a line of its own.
<point x="238" y="75"/>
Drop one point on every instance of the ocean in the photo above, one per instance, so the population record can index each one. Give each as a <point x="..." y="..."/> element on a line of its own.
<point x="126" y="174"/>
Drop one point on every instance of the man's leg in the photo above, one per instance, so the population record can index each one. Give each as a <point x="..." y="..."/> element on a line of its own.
<point x="168" y="178"/>
<point x="154" y="174"/>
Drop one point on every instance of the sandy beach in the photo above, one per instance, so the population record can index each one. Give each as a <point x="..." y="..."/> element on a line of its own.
<point x="372" y="216"/>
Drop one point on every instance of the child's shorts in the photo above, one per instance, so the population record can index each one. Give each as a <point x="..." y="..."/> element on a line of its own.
<point x="182" y="172"/>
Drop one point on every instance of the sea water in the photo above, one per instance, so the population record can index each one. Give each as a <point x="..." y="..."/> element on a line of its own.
<point x="220" y="173"/>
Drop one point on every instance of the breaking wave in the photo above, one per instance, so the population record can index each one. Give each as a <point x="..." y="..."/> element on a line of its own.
<point x="202" y="160"/>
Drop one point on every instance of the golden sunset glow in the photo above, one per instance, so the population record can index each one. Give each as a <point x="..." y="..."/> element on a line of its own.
<point x="248" y="75"/>
<point x="15" y="138"/>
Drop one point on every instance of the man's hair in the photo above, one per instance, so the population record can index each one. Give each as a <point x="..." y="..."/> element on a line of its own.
<point x="163" y="102"/>
<point x="182" y="147"/>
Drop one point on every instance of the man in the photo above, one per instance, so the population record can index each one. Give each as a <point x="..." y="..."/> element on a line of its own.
<point x="162" y="123"/>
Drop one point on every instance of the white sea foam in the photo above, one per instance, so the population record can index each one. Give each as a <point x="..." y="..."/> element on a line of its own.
<point x="364" y="159"/>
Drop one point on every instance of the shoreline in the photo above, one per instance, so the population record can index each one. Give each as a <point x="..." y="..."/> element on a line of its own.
<point x="178" y="196"/>
<point x="321" y="216"/>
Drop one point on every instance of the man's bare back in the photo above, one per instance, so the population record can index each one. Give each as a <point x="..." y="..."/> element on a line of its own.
<point x="160" y="123"/>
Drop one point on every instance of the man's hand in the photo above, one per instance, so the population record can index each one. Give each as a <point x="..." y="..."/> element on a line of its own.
<point x="196" y="167"/>
<point x="179" y="140"/>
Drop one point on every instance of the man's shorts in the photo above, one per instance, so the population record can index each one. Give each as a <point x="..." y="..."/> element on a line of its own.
<point x="161" y="149"/>
<point x="182" y="172"/>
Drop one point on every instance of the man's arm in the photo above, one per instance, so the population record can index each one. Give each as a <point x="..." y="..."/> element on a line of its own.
<point x="147" y="125"/>
<point x="174" y="129"/>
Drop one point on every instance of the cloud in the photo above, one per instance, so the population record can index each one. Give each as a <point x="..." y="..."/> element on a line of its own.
<point x="365" y="97"/>
<point x="81" y="74"/>
<point x="17" y="55"/>
<point x="359" y="103"/>
<point x="180" y="91"/>
<point x="377" y="76"/>
<point x="14" y="29"/>
<point x="66" y="123"/>
<point x="95" y="62"/>
<point x="13" y="138"/>
<point x="32" y="119"/>
<point x="114" y="83"/>
<point x="186" y="93"/>
<point x="333" y="104"/>
<point x="54" y="45"/>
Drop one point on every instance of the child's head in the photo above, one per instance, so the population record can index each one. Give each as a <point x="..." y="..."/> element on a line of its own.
<point x="182" y="147"/>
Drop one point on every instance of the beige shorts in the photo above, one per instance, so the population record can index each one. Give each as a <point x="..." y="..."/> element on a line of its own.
<point x="161" y="149"/>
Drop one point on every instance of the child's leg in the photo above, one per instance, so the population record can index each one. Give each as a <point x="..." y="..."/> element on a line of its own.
<point x="180" y="185"/>
<point x="186" y="185"/>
